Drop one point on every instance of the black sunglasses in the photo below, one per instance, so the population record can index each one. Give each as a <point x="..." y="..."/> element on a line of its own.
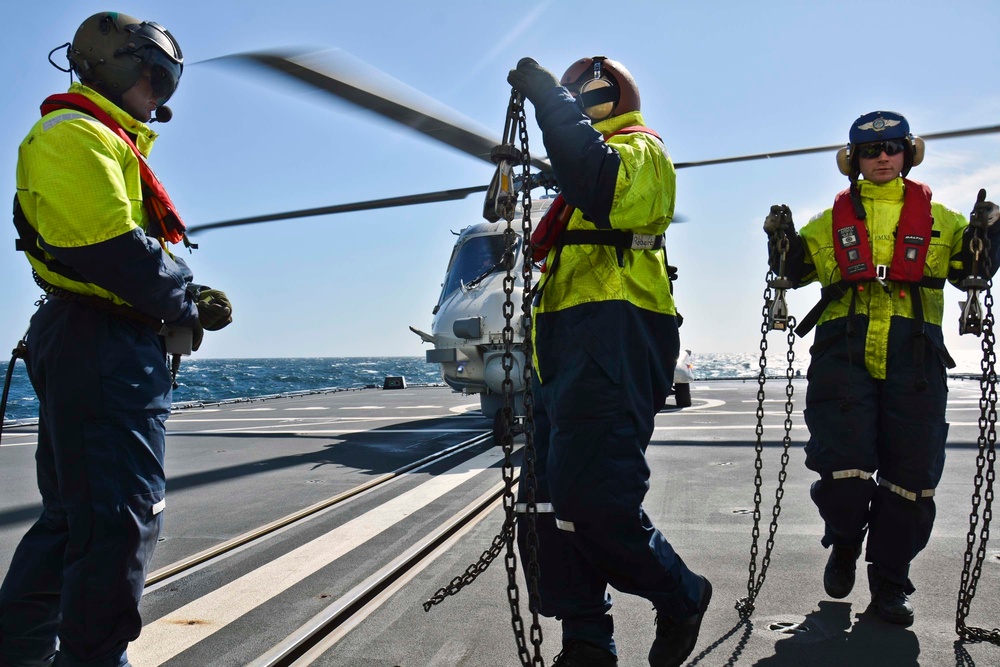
<point x="874" y="149"/>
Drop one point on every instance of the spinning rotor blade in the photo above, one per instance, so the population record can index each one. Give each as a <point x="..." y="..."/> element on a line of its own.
<point x="361" y="84"/>
<point x="356" y="82"/>
<point x="406" y="200"/>
<point x="822" y="149"/>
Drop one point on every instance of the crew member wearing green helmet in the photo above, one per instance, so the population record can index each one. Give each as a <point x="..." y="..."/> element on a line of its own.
<point x="94" y="223"/>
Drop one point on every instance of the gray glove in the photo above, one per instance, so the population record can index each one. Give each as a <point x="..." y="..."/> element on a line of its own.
<point x="779" y="219"/>
<point x="984" y="213"/>
<point x="532" y="80"/>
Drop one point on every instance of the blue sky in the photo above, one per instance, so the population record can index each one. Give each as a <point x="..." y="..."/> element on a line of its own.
<point x="717" y="79"/>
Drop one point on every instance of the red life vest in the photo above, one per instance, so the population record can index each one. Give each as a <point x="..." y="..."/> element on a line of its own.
<point x="913" y="238"/>
<point x="155" y="198"/>
<point x="557" y="217"/>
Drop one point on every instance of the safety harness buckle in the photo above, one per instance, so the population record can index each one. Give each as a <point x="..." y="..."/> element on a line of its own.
<point x="881" y="272"/>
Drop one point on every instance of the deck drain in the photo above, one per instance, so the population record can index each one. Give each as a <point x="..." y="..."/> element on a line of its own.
<point x="788" y="628"/>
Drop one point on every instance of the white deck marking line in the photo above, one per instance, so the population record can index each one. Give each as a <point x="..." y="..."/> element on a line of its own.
<point x="314" y="407"/>
<point x="254" y="409"/>
<point x="170" y="635"/>
<point x="344" y="431"/>
<point x="18" y="444"/>
<point x="734" y="427"/>
<point x="363" y="407"/>
<point x="299" y="420"/>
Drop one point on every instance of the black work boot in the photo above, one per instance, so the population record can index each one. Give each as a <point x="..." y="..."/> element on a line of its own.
<point x="676" y="639"/>
<point x="838" y="577"/>
<point x="576" y="653"/>
<point x="890" y="600"/>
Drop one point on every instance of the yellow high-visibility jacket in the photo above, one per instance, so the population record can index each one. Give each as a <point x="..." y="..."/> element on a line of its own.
<point x="79" y="186"/>
<point x="643" y="203"/>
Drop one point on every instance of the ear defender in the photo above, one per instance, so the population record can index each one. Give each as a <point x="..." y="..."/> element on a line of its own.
<point x="598" y="98"/>
<point x="918" y="150"/>
<point x="844" y="160"/>
<point x="599" y="95"/>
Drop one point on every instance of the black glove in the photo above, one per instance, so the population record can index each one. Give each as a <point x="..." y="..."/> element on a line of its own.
<point x="984" y="215"/>
<point x="532" y="80"/>
<point x="197" y="335"/>
<point x="779" y="219"/>
<point x="214" y="309"/>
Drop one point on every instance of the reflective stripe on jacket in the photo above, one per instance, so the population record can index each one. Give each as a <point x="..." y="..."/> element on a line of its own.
<point x="883" y="204"/>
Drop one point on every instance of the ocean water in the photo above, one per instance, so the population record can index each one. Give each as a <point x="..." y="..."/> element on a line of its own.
<point x="210" y="380"/>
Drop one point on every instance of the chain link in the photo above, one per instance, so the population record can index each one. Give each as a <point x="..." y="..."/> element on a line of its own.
<point x="972" y="568"/>
<point x="755" y="581"/>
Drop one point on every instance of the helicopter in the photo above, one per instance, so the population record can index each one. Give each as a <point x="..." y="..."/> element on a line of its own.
<point x="466" y="330"/>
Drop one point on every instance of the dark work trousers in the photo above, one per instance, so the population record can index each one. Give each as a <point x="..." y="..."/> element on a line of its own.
<point x="104" y="396"/>
<point x="889" y="429"/>
<point x="606" y="370"/>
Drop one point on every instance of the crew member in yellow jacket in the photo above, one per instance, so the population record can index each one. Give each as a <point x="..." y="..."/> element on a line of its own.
<point x="94" y="223"/>
<point x="605" y="342"/>
<point x="875" y="403"/>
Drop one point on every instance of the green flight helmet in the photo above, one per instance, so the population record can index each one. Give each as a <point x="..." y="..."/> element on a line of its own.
<point x="110" y="51"/>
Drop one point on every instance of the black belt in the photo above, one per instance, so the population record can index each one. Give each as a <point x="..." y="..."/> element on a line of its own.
<point x="107" y="306"/>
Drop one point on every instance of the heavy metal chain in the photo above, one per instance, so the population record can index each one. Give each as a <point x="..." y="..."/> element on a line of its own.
<point x="986" y="458"/>
<point x="745" y="606"/>
<point x="504" y="540"/>
<point x="527" y="375"/>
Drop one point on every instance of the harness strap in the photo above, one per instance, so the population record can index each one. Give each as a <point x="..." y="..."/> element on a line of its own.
<point x="27" y="242"/>
<point x="618" y="238"/>
<point x="99" y="303"/>
<point x="836" y="291"/>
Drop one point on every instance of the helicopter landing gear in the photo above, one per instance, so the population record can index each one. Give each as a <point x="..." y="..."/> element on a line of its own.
<point x="682" y="394"/>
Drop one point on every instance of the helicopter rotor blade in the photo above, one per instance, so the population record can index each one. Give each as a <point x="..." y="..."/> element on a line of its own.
<point x="822" y="149"/>
<point x="354" y="81"/>
<point x="405" y="200"/>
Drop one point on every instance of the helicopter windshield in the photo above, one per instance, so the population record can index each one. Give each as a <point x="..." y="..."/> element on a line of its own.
<point x="477" y="257"/>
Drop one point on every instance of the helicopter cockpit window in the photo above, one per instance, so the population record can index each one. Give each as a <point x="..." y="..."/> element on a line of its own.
<point x="477" y="257"/>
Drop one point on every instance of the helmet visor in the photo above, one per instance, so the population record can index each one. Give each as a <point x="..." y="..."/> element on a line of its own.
<point x="164" y="73"/>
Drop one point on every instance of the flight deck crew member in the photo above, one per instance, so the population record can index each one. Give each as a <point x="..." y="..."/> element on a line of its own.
<point x="93" y="222"/>
<point x="875" y="402"/>
<point x="606" y="342"/>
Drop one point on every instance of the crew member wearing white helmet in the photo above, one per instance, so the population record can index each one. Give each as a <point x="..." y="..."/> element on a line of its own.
<point x="606" y="343"/>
